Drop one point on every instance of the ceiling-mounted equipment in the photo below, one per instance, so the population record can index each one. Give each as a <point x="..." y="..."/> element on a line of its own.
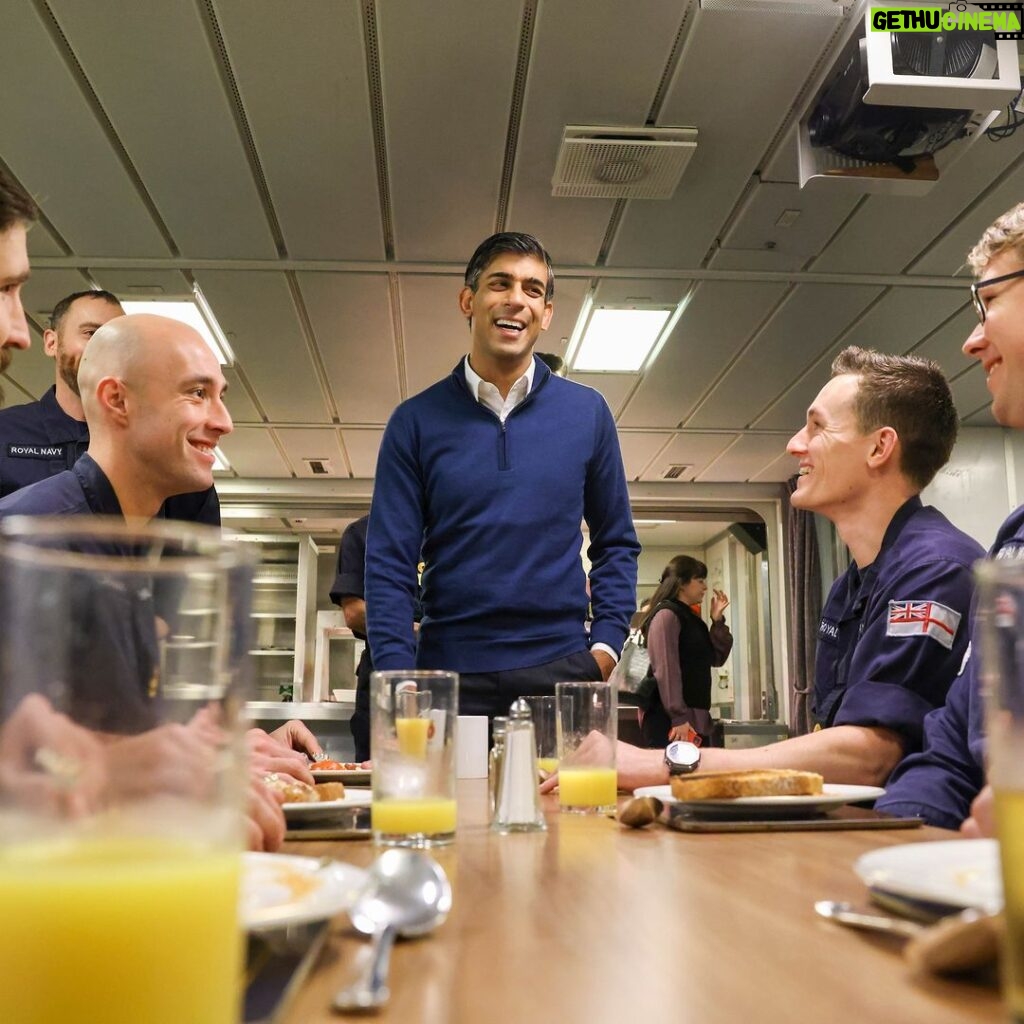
<point x="896" y="108"/>
<point x="621" y="163"/>
<point x="319" y="467"/>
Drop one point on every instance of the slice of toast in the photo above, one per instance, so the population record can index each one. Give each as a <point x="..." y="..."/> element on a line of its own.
<point x="755" y="782"/>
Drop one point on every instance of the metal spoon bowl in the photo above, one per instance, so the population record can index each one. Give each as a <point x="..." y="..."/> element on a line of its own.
<point x="407" y="893"/>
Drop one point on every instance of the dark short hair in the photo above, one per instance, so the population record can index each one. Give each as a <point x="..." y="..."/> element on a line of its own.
<point x="61" y="309"/>
<point x="912" y="396"/>
<point x="556" y="364"/>
<point x="680" y="570"/>
<point x="501" y="243"/>
<point x="16" y="205"/>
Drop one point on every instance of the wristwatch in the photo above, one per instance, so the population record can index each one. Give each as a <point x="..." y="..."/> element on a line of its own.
<point x="682" y="757"/>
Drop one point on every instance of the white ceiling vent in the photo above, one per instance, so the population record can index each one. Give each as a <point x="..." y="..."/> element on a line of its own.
<point x="319" y="467"/>
<point x="676" y="470"/>
<point x="622" y="163"/>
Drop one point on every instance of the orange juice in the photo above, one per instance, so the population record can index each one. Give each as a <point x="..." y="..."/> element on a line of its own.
<point x="1010" y="822"/>
<point x="548" y="765"/>
<point x="434" y="816"/>
<point x="412" y="736"/>
<point x="586" y="787"/>
<point x="119" y="932"/>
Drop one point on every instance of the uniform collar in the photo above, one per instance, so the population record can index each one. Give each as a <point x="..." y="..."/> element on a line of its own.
<point x="98" y="490"/>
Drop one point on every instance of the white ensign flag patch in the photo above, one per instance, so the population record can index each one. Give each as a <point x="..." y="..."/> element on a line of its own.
<point x="923" y="618"/>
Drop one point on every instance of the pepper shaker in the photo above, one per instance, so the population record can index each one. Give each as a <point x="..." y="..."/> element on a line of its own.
<point x="494" y="761"/>
<point x="518" y="800"/>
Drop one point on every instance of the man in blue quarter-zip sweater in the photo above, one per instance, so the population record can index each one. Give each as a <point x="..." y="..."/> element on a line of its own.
<point x="489" y="474"/>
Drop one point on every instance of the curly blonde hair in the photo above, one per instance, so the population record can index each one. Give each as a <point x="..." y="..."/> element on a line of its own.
<point x="1006" y="234"/>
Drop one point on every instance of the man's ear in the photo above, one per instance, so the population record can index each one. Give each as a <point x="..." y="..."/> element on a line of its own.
<point x="50" y="342"/>
<point x="466" y="302"/>
<point x="883" y="450"/>
<point x="112" y="396"/>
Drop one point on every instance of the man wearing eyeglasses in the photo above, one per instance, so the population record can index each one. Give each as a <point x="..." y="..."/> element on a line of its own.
<point x="940" y="783"/>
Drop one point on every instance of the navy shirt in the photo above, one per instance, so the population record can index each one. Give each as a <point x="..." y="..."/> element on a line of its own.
<point x="894" y="635"/>
<point x="106" y="638"/>
<point x="39" y="440"/>
<point x="351" y="564"/>
<point x="940" y="782"/>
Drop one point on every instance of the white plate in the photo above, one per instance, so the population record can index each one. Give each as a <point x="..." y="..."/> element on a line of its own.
<point x="832" y="795"/>
<point x="957" y="873"/>
<point x="315" y="810"/>
<point x="352" y="776"/>
<point x="279" y="890"/>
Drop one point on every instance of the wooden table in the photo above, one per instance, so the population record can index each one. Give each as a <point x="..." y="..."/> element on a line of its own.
<point x="591" y="922"/>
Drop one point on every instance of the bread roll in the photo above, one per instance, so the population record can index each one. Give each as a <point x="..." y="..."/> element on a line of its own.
<point x="330" y="790"/>
<point x="756" y="782"/>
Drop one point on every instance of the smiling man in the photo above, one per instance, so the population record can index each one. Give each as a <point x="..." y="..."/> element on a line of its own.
<point x="153" y="395"/>
<point x="489" y="473"/>
<point x="17" y="212"/>
<point x="893" y="634"/>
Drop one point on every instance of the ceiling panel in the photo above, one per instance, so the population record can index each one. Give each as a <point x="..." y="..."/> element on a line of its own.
<point x="319" y="69"/>
<point x="239" y="402"/>
<point x="945" y="345"/>
<point x="435" y="333"/>
<point x="85" y="192"/>
<point x="252" y="453"/>
<point x="712" y="329"/>
<point x="614" y="386"/>
<point x="746" y="459"/>
<point x="778" y="471"/>
<point x="888" y="233"/>
<point x="351" y="318"/>
<point x="259" y="312"/>
<point x="696" y="450"/>
<point x="798" y="331"/>
<point x="150" y="56"/>
<point x="362" y="447"/>
<point x="594" y="62"/>
<point x="447" y="84"/>
<point x="737" y="103"/>
<point x="893" y="324"/>
<point x="128" y="284"/>
<point x="982" y="418"/>
<point x="629" y="290"/>
<point x="970" y="392"/>
<point x="41" y="242"/>
<point x="313" y="444"/>
<point x="638" y="449"/>
<point x="45" y="288"/>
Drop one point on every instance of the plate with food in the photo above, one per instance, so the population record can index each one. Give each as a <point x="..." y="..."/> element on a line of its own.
<point x="957" y="874"/>
<point x="340" y="771"/>
<point x="757" y="793"/>
<point x="280" y="890"/>
<point x="325" y="800"/>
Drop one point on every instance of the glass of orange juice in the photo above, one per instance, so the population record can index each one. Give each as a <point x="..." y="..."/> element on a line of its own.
<point x="1000" y="628"/>
<point x="545" y="730"/>
<point x="413" y="723"/>
<point x="587" y="733"/>
<point x="123" y="671"/>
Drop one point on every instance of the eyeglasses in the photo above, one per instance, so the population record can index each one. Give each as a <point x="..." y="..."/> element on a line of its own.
<point x="979" y="306"/>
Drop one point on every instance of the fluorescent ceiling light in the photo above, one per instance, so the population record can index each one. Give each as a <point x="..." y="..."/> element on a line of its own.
<point x="196" y="313"/>
<point x="653" y="522"/>
<point x="220" y="462"/>
<point x="619" y="340"/>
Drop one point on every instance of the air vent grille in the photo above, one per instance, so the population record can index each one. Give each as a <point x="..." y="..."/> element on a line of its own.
<point x="676" y="470"/>
<point x="622" y="163"/>
<point x="319" y="467"/>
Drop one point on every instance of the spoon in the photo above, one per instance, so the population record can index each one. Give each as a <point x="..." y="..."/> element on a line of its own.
<point x="406" y="893"/>
<point x="959" y="942"/>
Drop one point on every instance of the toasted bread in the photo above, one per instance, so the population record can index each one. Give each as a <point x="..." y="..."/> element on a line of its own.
<point x="756" y="782"/>
<point x="330" y="790"/>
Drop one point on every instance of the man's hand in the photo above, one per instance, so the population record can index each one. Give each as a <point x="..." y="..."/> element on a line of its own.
<point x="265" y="822"/>
<point x="684" y="732"/>
<point x="719" y="602"/>
<point x="982" y="821"/>
<point x="267" y="754"/>
<point x="296" y="736"/>
<point x="636" y="766"/>
<point x="171" y="758"/>
<point x="605" y="662"/>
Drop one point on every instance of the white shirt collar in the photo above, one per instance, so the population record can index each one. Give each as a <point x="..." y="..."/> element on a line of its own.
<point x="474" y="380"/>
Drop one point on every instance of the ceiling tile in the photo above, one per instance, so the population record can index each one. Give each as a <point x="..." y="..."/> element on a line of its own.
<point x="638" y="448"/>
<point x="747" y="458"/>
<point x="362" y="447"/>
<point x="313" y="444"/>
<point x="252" y="453"/>
<point x="970" y="391"/>
<point x="689" y="449"/>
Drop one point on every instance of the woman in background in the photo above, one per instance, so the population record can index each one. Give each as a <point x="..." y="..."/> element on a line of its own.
<point x="682" y="651"/>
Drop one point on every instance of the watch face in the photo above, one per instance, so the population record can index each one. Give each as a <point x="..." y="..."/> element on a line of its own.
<point x="682" y="753"/>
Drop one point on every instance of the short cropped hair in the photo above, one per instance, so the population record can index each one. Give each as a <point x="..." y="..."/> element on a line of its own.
<point x="501" y="243"/>
<point x="912" y="396"/>
<point x="555" y="363"/>
<point x="1006" y="234"/>
<point x="61" y="309"/>
<point x="16" y="205"/>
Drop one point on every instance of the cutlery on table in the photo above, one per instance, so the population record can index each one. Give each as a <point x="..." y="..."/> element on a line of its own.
<point x="959" y="942"/>
<point x="407" y="893"/>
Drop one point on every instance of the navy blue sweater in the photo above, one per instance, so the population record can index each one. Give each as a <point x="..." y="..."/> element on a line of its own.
<point x="496" y="511"/>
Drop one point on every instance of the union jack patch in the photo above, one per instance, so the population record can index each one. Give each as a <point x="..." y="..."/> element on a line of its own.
<point x="923" y="618"/>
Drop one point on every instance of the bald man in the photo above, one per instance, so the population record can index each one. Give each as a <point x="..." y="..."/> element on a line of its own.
<point x="153" y="396"/>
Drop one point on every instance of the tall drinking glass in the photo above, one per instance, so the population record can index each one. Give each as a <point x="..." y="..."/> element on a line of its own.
<point x="587" y="733"/>
<point x="545" y="730"/>
<point x="413" y="722"/>
<point x="123" y="672"/>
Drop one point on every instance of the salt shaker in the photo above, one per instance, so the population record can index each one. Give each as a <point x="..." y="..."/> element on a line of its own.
<point x="494" y="761"/>
<point x="518" y="799"/>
